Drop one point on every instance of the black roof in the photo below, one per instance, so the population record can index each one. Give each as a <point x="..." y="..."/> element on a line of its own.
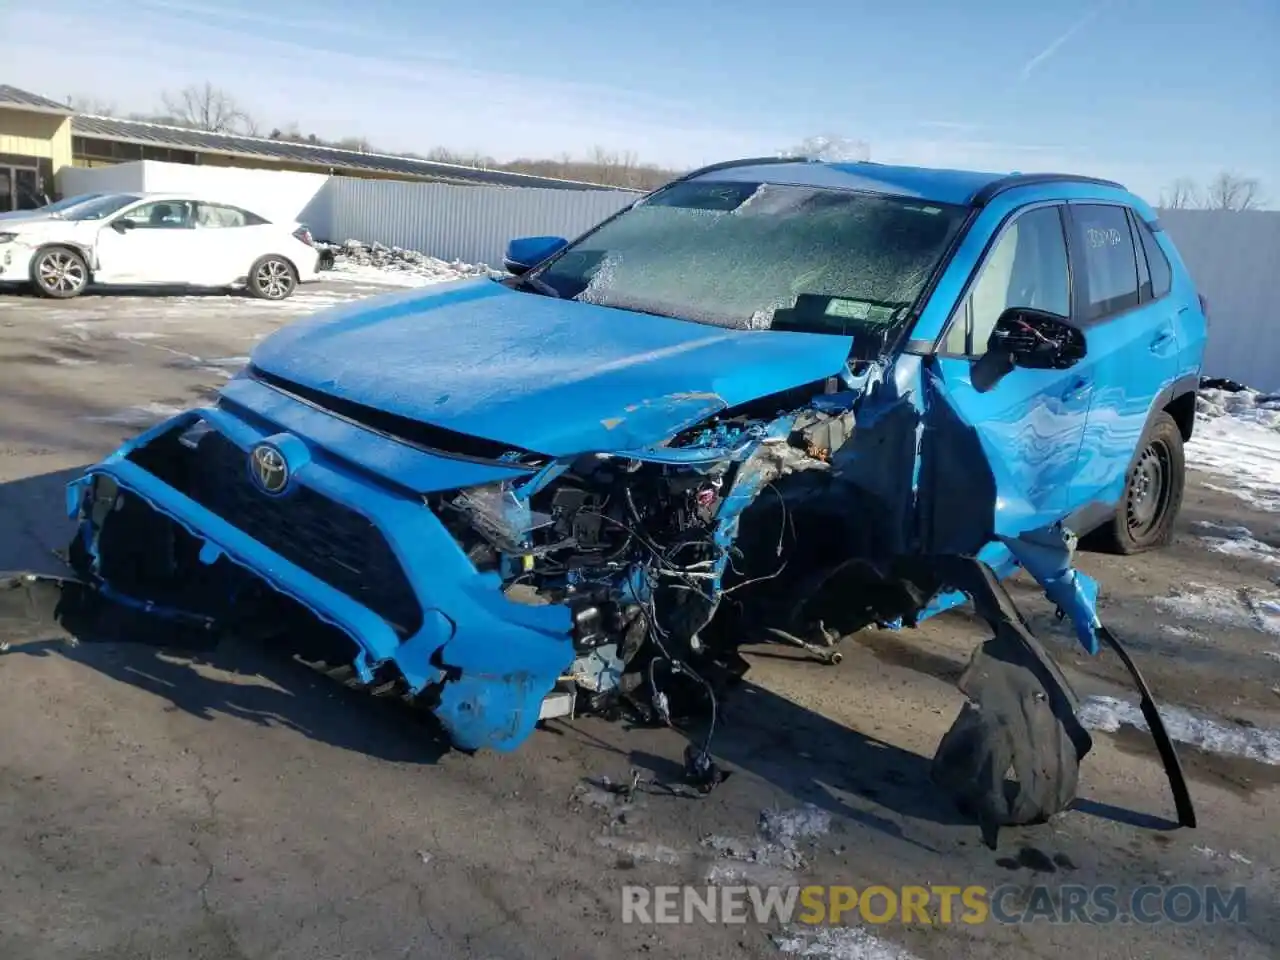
<point x="1015" y="180"/>
<point x="201" y="141"/>
<point x="25" y="100"/>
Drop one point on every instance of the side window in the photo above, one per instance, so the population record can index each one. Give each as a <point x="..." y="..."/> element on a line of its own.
<point x="1157" y="263"/>
<point x="213" y="215"/>
<point x="161" y="215"/>
<point x="957" y="339"/>
<point x="1105" y="251"/>
<point x="1144" y="274"/>
<point x="1026" y="268"/>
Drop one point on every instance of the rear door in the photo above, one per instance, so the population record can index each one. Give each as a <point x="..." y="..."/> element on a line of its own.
<point x="1002" y="459"/>
<point x="230" y="239"/>
<point x="1132" y="347"/>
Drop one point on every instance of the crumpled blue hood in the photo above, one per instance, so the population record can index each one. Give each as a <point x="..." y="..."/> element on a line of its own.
<point x="553" y="376"/>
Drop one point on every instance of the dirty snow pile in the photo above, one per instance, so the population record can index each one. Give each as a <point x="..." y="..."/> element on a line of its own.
<point x="378" y="263"/>
<point x="1247" y="405"/>
<point x="1237" y="436"/>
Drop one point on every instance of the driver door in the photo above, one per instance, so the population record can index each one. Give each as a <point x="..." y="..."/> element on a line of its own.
<point x="999" y="458"/>
<point x="151" y="243"/>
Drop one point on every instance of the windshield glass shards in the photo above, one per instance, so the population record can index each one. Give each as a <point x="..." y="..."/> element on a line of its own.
<point x="762" y="256"/>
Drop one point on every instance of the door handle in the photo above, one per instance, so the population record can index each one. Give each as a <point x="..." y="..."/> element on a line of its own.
<point x="1077" y="389"/>
<point x="1163" y="338"/>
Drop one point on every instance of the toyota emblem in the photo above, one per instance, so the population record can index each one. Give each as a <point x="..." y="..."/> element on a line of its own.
<point x="269" y="469"/>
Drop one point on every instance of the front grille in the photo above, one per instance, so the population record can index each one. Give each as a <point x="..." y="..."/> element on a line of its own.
<point x="331" y="542"/>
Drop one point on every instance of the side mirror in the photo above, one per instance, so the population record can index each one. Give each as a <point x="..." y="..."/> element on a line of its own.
<point x="1031" y="339"/>
<point x="121" y="225"/>
<point x="525" y="253"/>
<point x="1036" y="339"/>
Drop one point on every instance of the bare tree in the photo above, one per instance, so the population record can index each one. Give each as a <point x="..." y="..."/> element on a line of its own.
<point x="84" y="104"/>
<point x="1228" y="191"/>
<point x="206" y="107"/>
<point x="615" y="169"/>
<point x="1182" y="194"/>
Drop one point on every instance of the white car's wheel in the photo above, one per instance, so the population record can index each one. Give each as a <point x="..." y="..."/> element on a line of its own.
<point x="273" y="278"/>
<point x="59" y="272"/>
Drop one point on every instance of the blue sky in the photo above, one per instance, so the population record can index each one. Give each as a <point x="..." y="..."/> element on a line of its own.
<point x="1140" y="90"/>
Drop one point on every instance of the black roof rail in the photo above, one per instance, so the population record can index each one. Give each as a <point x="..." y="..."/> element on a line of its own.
<point x="1015" y="180"/>
<point x="730" y="164"/>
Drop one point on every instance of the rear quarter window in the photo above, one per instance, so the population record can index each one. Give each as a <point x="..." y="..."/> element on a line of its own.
<point x="1157" y="263"/>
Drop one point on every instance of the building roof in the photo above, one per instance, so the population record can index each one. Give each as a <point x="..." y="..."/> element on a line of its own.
<point x="262" y="148"/>
<point x="16" y="99"/>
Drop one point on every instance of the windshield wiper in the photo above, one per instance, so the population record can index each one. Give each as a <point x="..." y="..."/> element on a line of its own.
<point x="540" y="286"/>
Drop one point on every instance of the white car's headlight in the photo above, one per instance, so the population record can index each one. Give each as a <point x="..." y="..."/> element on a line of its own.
<point x="8" y="237"/>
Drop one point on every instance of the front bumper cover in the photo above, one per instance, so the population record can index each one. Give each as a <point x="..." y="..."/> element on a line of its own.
<point x="489" y="662"/>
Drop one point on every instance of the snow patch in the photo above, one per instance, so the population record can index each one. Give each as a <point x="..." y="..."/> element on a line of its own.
<point x="1213" y="854"/>
<point x="1108" y="714"/>
<point x="773" y="852"/>
<point x="734" y="873"/>
<point x="754" y="850"/>
<point x="831" y="149"/>
<point x="1235" y="541"/>
<point x="789" y="827"/>
<point x="1237" y="436"/>
<point x="838" y="943"/>
<point x="376" y="263"/>
<point x="1248" y="405"/>
<point x="79" y="329"/>
<point x="641" y="850"/>
<point x="1182" y="633"/>
<point x="1243" y="608"/>
<point x="138" y="416"/>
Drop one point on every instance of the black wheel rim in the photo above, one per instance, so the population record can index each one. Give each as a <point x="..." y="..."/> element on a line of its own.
<point x="1147" y="498"/>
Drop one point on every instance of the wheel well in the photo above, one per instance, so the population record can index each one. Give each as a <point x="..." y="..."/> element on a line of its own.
<point x="1183" y="411"/>
<point x="74" y="247"/>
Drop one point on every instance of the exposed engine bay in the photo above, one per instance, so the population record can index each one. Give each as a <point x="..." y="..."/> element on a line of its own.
<point x="644" y="551"/>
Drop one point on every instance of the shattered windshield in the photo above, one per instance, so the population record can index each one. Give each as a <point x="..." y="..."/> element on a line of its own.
<point x="761" y="256"/>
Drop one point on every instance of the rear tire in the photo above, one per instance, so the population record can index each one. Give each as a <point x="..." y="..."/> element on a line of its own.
<point x="1153" y="492"/>
<point x="59" y="273"/>
<point x="272" y="278"/>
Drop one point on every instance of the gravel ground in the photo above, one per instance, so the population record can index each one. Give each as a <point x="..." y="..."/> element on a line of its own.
<point x="238" y="806"/>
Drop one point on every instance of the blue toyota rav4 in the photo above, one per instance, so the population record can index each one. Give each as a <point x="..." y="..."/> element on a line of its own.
<point x="773" y="400"/>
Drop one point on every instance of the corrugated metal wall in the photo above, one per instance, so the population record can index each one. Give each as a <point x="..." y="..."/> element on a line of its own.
<point x="1234" y="257"/>
<point x="472" y="224"/>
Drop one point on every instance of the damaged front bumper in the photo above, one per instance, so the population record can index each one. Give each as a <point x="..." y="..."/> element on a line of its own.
<point x="161" y="529"/>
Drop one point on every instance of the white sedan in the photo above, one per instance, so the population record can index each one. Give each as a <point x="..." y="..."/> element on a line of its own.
<point x="144" y="239"/>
